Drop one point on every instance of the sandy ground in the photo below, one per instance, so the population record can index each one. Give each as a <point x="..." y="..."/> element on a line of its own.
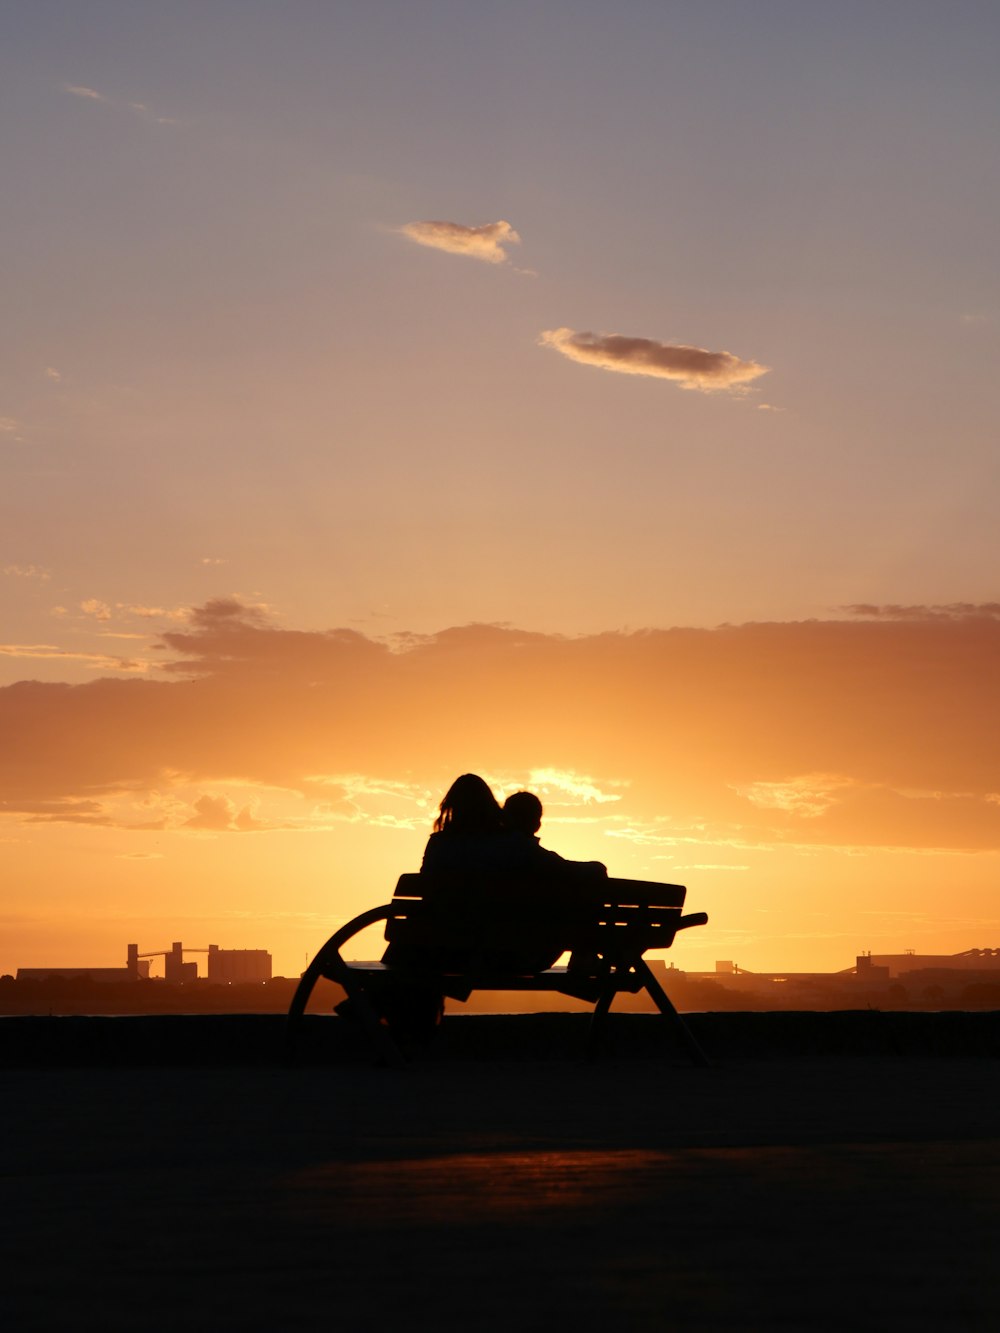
<point x="633" y="1193"/>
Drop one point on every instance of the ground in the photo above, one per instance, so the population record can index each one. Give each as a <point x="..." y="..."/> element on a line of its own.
<point x="508" y="1192"/>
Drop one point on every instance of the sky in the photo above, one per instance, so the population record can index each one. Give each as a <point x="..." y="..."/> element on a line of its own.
<point x="602" y="401"/>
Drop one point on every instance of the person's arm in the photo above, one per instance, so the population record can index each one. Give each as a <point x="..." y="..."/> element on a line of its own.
<point x="573" y="869"/>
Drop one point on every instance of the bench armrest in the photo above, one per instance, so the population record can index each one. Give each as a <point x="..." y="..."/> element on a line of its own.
<point x="693" y="919"/>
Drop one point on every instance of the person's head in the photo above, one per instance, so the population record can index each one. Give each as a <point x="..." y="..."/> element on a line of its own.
<point x="469" y="807"/>
<point x="522" y="812"/>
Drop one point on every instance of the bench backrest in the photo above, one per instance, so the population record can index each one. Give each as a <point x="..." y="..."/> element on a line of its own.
<point x="616" y="918"/>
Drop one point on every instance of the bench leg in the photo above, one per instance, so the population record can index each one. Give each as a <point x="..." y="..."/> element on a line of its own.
<point x="595" y="1037"/>
<point x="333" y="966"/>
<point x="293" y="1023"/>
<point x="662" y="1001"/>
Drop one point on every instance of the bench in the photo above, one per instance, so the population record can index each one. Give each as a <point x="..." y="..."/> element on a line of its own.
<point x="462" y="933"/>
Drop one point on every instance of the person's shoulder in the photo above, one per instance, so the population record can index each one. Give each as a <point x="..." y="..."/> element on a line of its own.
<point x="435" y="852"/>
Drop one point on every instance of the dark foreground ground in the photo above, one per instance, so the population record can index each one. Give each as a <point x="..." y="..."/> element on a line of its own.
<point x="501" y="1183"/>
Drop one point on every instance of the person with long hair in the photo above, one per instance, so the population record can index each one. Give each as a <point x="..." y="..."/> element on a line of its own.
<point x="469" y="829"/>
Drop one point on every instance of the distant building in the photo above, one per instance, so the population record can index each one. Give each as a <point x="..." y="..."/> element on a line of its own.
<point x="867" y="969"/>
<point x="226" y="965"/>
<point x="896" y="964"/>
<point x="136" y="969"/>
<point x="174" y="966"/>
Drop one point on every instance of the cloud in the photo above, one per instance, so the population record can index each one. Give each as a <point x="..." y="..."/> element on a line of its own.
<point x="26" y="572"/>
<point x="137" y="108"/>
<point x="219" y="814"/>
<point x="52" y="374"/>
<point x="809" y="796"/>
<point x="154" y="612"/>
<point x="143" y="110"/>
<point x="949" y="611"/>
<point x="66" y="812"/>
<point x="8" y="425"/>
<point x="48" y="652"/>
<point x="89" y="94"/>
<point x="485" y="243"/>
<point x="97" y="609"/>
<point x="691" y="367"/>
<point x="573" y="788"/>
<point x="872" y="732"/>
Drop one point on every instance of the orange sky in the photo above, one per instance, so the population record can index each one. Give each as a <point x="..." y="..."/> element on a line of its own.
<point x="603" y="401"/>
<point x="822" y="787"/>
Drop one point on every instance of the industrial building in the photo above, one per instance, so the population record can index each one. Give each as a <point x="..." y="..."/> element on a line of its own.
<point x="872" y="974"/>
<point x="136" y="969"/>
<point x="892" y="965"/>
<point x="228" y="965"/>
<point x="225" y="966"/>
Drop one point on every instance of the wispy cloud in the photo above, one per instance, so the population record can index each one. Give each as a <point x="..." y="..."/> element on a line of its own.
<point x="143" y="110"/>
<point x="485" y="243"/>
<point x="572" y="788"/>
<point x="810" y="795"/>
<point x="26" y="572"/>
<point x="690" y="367"/>
<point x="47" y="652"/>
<point x="380" y="802"/>
<point x="88" y="94"/>
<point x="52" y="374"/>
<point x="136" y="108"/>
<point x="103" y="611"/>
<point x="154" y="612"/>
<point x="947" y="611"/>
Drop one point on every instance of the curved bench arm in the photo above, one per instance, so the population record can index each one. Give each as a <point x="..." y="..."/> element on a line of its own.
<point x="328" y="960"/>
<point x="354" y="927"/>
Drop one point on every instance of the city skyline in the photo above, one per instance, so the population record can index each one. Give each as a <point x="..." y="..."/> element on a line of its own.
<point x="600" y="403"/>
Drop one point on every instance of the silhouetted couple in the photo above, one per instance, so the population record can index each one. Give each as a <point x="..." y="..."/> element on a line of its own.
<point x="474" y="835"/>
<point x="473" y="832"/>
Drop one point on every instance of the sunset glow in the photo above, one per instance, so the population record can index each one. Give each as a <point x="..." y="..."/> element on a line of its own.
<point x="301" y="516"/>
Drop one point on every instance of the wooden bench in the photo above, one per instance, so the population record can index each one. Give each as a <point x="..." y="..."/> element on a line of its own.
<point x="460" y="933"/>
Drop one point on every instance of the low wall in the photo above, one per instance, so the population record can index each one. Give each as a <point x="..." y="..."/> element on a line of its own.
<point x="202" y="1040"/>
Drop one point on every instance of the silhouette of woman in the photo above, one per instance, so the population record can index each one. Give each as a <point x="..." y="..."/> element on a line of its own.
<point x="468" y="831"/>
